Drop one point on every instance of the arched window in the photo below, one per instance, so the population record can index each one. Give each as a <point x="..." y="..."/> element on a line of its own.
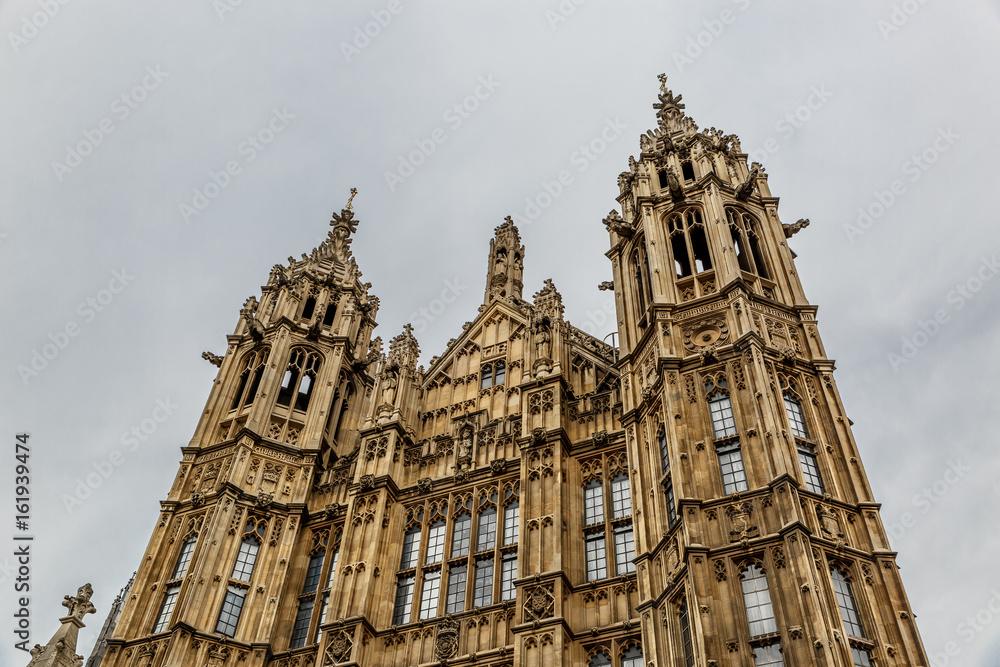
<point x="640" y="271"/>
<point x="330" y="314"/>
<point x="174" y="584"/>
<point x="757" y="601"/>
<point x="411" y="548"/>
<point x="303" y="366"/>
<point x="461" y="535"/>
<point x="745" y="231"/>
<point x="600" y="659"/>
<point x="688" y="243"/>
<point x="499" y="373"/>
<point x="232" y="605"/>
<point x="796" y="418"/>
<point x="487" y="376"/>
<point x="687" y="170"/>
<point x="253" y="370"/>
<point x="492" y="374"/>
<point x="184" y="558"/>
<point x="486" y="533"/>
<point x="308" y="308"/>
<point x="687" y="640"/>
<point x="847" y="604"/>
<point x="720" y="407"/>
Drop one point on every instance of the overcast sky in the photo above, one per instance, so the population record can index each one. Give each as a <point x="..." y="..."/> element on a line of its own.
<point x="118" y="115"/>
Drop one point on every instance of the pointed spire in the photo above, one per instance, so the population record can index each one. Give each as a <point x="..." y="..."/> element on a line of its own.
<point x="404" y="350"/>
<point x="504" y="274"/>
<point x="60" y="651"/>
<point x="548" y="301"/>
<point x="670" y="114"/>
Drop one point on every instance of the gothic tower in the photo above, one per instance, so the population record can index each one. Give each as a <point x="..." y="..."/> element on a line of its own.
<point x="534" y="496"/>
<point x="758" y="540"/>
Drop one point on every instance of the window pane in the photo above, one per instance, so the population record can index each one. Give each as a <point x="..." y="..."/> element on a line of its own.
<point x="721" y="409"/>
<point x="184" y="559"/>
<point x="232" y="606"/>
<point x="810" y="470"/>
<point x="861" y="657"/>
<point x="167" y="608"/>
<point x="322" y="618"/>
<point x="487" y="376"/>
<point x="501" y="372"/>
<point x="664" y="454"/>
<point x="431" y="593"/>
<point x="848" y="607"/>
<point x="301" y="627"/>
<point x="632" y="657"/>
<point x="624" y="550"/>
<point x="411" y="548"/>
<point x="597" y="558"/>
<point x="333" y="566"/>
<point x="404" y="600"/>
<point x="757" y="600"/>
<point x="482" y="589"/>
<point x="510" y="519"/>
<point x="621" y="497"/>
<point x="245" y="559"/>
<point x="508" y="573"/>
<point x="731" y="466"/>
<point x="593" y="503"/>
<point x="686" y="639"/>
<point x="435" y="542"/>
<point x="768" y="656"/>
<point x="313" y="573"/>
<point x="456" y="590"/>
<point x="668" y="490"/>
<point x="486" y="537"/>
<point x="796" y="418"/>
<point x="461" y="532"/>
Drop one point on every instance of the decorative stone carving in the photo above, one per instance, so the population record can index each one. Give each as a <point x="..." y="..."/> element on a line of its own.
<point x="539" y="603"/>
<point x="213" y="359"/>
<point x="424" y="485"/>
<point x="498" y="466"/>
<point x="740" y="517"/>
<point x="446" y="644"/>
<point x="367" y="482"/>
<point x="339" y="648"/>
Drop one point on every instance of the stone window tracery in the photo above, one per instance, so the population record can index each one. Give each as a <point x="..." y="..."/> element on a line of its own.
<point x="299" y="378"/>
<point x="688" y="243"/>
<point x="745" y="232"/>
<point x="598" y="505"/>
<point x="493" y="374"/>
<point x="239" y="579"/>
<point x="249" y="382"/>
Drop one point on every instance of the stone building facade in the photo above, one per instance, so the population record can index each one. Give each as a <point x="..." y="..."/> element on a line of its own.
<point x="535" y="496"/>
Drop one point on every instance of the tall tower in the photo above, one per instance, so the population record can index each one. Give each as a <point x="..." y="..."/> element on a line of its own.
<point x="758" y="539"/>
<point x="533" y="497"/>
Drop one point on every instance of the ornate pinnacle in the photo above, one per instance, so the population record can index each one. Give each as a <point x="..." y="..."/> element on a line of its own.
<point x="663" y="82"/>
<point x="354" y="191"/>
<point x="344" y="224"/>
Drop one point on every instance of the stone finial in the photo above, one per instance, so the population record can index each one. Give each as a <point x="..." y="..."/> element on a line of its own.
<point x="60" y="651"/>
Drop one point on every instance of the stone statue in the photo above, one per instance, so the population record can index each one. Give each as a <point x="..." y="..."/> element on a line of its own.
<point x="543" y="337"/>
<point x="389" y="384"/>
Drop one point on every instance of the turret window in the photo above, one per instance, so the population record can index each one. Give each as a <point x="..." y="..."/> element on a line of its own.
<point x="734" y="478"/>
<point x="757" y="601"/>
<point x="661" y="441"/>
<point x="493" y="374"/>
<point x="720" y="407"/>
<point x="845" y="601"/>
<point x="687" y="642"/>
<point x="430" y="595"/>
<point x="167" y="608"/>
<point x="303" y="366"/>
<point x="810" y="469"/>
<point x="253" y="370"/>
<point x="307" y="598"/>
<point x="640" y="270"/>
<point x="184" y="559"/>
<point x="174" y="583"/>
<point x="688" y="243"/>
<point x="687" y="170"/>
<point x="246" y="558"/>
<point x="597" y="528"/>
<point x="745" y="232"/>
<point x="796" y="418"/>
<point x="330" y="314"/>
<point x="309" y="308"/>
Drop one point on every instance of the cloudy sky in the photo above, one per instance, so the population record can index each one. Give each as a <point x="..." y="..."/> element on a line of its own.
<point x="159" y="157"/>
